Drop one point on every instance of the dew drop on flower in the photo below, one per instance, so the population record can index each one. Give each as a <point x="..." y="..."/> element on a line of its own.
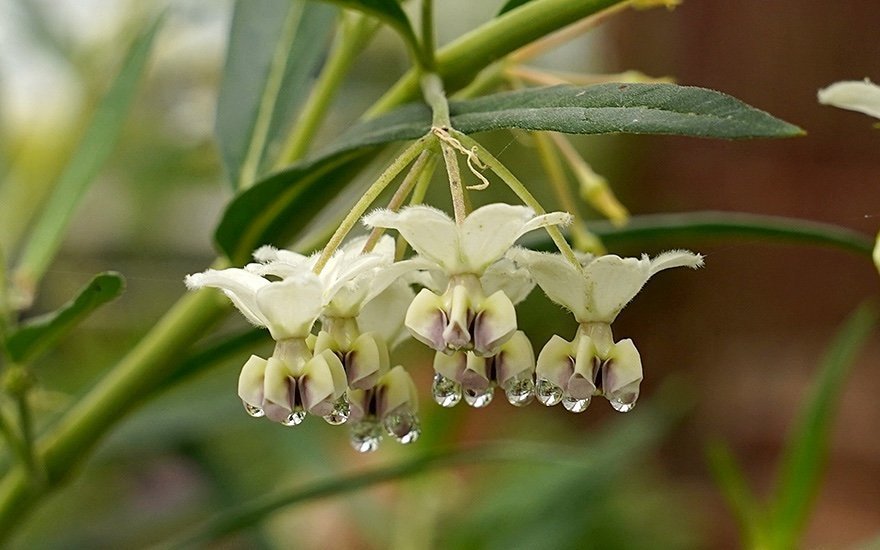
<point x="295" y="418"/>
<point x="520" y="392"/>
<point x="254" y="410"/>
<point x="339" y="415"/>
<point x="547" y="392"/>
<point x="575" y="405"/>
<point x="478" y="399"/>
<point x="403" y="427"/>
<point x="365" y="436"/>
<point x="623" y="406"/>
<point x="446" y="392"/>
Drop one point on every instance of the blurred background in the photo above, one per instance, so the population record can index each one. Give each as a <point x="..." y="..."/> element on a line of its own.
<point x="729" y="352"/>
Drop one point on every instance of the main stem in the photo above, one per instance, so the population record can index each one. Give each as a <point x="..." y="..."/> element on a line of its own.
<point x="435" y="97"/>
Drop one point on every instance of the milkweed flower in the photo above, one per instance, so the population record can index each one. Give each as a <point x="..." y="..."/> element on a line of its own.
<point x="572" y="372"/>
<point x="463" y="317"/>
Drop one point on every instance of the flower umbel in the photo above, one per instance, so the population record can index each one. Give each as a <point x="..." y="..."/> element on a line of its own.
<point x="591" y="364"/>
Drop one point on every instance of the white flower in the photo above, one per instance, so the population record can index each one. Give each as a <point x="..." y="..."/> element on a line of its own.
<point x="464" y="317"/>
<point x="856" y="95"/>
<point x="268" y="303"/>
<point x="601" y="287"/>
<point x="391" y="405"/>
<point x="596" y="291"/>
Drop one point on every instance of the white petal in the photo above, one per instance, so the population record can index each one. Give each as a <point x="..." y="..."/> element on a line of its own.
<point x="612" y="282"/>
<point x="676" y="258"/>
<point x="398" y="393"/>
<point x="856" y="95"/>
<point x="546" y="220"/>
<point x="291" y="306"/>
<point x="560" y="280"/>
<point x="876" y="253"/>
<point x="239" y="285"/>
<point x="431" y="232"/>
<point x="488" y="232"/>
<point x="506" y="276"/>
<point x="250" y="381"/>
<point x="385" y="313"/>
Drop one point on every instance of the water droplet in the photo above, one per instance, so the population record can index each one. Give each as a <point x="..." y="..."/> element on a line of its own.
<point x="403" y="427"/>
<point x="446" y="391"/>
<point x="295" y="418"/>
<point x="254" y="410"/>
<point x="623" y="406"/>
<point x="479" y="399"/>
<point x="575" y="405"/>
<point x="520" y="392"/>
<point x="547" y="392"/>
<point x="365" y="436"/>
<point x="339" y="415"/>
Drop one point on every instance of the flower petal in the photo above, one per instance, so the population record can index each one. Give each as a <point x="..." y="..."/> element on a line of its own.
<point x="239" y="285"/>
<point x="561" y="281"/>
<point x="291" y="306"/>
<point x="322" y="383"/>
<point x="431" y="232"/>
<point x="488" y="232"/>
<point x="612" y="282"/>
<point x="556" y="361"/>
<point x="396" y="394"/>
<point x="856" y="95"/>
<point x="426" y="319"/>
<point x="676" y="258"/>
<point x="250" y="381"/>
<point x="384" y="314"/>
<point x="366" y="361"/>
<point x="623" y="374"/>
<point x="279" y="390"/>
<point x="506" y="276"/>
<point x="515" y="359"/>
<point x="494" y="324"/>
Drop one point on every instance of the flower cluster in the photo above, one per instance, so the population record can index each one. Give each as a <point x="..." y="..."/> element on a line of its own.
<point x="334" y="326"/>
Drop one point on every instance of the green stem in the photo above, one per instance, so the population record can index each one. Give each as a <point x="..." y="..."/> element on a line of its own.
<point x="25" y="420"/>
<point x="154" y="359"/>
<point x="409" y="182"/>
<point x="521" y="191"/>
<point x="13" y="439"/>
<point x="428" y="44"/>
<point x="356" y="30"/>
<point x="461" y="60"/>
<point x="369" y="196"/>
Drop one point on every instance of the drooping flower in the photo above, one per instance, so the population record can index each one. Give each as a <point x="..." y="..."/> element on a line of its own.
<point x="391" y="405"/>
<point x="596" y="291"/>
<point x="463" y="318"/>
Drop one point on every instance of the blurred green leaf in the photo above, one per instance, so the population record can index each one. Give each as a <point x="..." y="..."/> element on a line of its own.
<point x="511" y="4"/>
<point x="612" y="108"/>
<point x="388" y="11"/>
<point x="275" y="48"/>
<point x="733" y="484"/>
<point x="692" y="226"/>
<point x="93" y="150"/>
<point x="275" y="209"/>
<point x="39" y="334"/>
<point x="805" y="455"/>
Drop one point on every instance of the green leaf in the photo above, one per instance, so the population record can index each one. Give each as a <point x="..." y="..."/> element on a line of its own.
<point x="260" y="215"/>
<point x="733" y="485"/>
<point x="388" y="11"/>
<point x="93" y="150"/>
<point x="40" y="333"/>
<point x="805" y="455"/>
<point x="275" y="209"/>
<point x="511" y="4"/>
<point x="689" y="227"/>
<point x="275" y="48"/>
<point x="600" y="109"/>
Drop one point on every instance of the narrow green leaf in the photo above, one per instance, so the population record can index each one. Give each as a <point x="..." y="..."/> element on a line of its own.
<point x="275" y="209"/>
<point x="511" y="4"/>
<point x="648" y="108"/>
<point x="40" y="333"/>
<point x="806" y="452"/>
<point x="275" y="48"/>
<point x="93" y="150"/>
<point x="600" y="109"/>
<point x="733" y="485"/>
<point x="388" y="11"/>
<point x="689" y="227"/>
